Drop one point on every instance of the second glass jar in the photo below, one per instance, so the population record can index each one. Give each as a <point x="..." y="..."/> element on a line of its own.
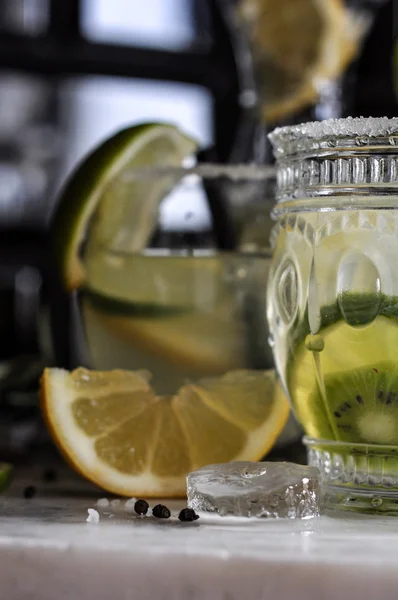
<point x="333" y="301"/>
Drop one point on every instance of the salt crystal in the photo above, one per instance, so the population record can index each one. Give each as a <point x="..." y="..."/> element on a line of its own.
<point x="149" y="513"/>
<point x="115" y="502"/>
<point x="93" y="516"/>
<point x="103" y="502"/>
<point x="129" y="504"/>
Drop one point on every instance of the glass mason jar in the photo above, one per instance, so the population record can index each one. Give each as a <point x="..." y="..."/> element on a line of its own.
<point x="333" y="301"/>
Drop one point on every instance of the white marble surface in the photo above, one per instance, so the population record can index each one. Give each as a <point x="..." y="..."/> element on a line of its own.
<point x="49" y="552"/>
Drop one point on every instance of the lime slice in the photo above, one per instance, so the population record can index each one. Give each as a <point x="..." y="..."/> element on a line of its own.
<point x="125" y="216"/>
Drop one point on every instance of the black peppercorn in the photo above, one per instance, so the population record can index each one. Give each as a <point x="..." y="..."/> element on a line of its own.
<point x="141" y="507"/>
<point x="29" y="492"/>
<point x="161" y="512"/>
<point x="188" y="514"/>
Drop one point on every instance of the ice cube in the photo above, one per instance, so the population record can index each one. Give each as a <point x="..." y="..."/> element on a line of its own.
<point x="256" y="489"/>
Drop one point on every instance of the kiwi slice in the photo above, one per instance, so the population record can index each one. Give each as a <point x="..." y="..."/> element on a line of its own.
<point x="360" y="405"/>
<point x="329" y="373"/>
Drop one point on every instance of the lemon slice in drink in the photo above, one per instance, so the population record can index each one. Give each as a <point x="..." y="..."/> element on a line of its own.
<point x="200" y="343"/>
<point x="299" y="45"/>
<point x="125" y="215"/>
<point x="179" y="310"/>
<point x="119" y="434"/>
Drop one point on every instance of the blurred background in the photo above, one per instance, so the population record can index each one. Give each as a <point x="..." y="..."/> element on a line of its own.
<point x="225" y="71"/>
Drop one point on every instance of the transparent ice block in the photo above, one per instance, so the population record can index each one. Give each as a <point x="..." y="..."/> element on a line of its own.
<point x="253" y="489"/>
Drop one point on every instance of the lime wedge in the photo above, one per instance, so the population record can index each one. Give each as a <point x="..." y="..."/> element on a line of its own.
<point x="5" y="476"/>
<point x="124" y="209"/>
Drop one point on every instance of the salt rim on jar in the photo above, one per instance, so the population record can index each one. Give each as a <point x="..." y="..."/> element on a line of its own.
<point x="318" y="134"/>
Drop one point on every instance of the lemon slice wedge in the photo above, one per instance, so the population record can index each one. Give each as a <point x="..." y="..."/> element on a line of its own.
<point x="115" y="431"/>
<point x="298" y="46"/>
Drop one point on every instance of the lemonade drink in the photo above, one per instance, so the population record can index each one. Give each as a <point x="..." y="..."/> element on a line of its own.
<point x="181" y="316"/>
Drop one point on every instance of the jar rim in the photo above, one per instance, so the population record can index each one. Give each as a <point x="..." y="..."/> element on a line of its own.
<point x="290" y="140"/>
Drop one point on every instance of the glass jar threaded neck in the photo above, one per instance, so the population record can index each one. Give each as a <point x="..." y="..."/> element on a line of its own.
<point x="337" y="158"/>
